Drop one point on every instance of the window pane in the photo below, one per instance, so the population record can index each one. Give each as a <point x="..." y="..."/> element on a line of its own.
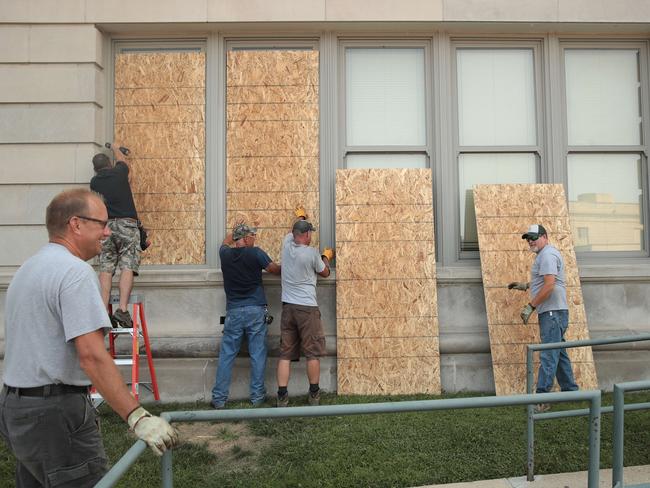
<point x="605" y="198"/>
<point x="356" y="161"/>
<point x="602" y="91"/>
<point x="476" y="169"/>
<point x="384" y="93"/>
<point x="496" y="97"/>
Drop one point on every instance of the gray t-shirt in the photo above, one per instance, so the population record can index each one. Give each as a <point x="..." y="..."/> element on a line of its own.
<point x="53" y="298"/>
<point x="549" y="262"/>
<point x="300" y="264"/>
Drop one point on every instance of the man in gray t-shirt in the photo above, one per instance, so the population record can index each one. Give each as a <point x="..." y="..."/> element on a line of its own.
<point x="548" y="297"/>
<point x="301" y="330"/>
<point x="55" y="322"/>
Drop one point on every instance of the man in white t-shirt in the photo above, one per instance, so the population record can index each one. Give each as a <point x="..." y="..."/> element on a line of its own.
<point x="301" y="329"/>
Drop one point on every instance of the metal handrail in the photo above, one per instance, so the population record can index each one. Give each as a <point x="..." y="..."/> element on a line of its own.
<point x="530" y="380"/>
<point x="594" y="397"/>
<point x="619" y="411"/>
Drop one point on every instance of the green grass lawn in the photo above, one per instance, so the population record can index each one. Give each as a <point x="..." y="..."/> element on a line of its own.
<point x="386" y="450"/>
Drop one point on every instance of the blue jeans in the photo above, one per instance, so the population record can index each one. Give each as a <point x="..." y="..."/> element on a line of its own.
<point x="249" y="321"/>
<point x="555" y="362"/>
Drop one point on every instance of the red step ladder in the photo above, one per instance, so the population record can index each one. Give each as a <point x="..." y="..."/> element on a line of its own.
<point x="138" y="331"/>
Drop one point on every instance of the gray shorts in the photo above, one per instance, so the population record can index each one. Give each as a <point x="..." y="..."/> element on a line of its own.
<point x="55" y="439"/>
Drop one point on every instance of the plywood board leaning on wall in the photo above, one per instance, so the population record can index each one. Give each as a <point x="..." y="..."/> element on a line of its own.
<point x="272" y="141"/>
<point x="160" y="117"/>
<point x="386" y="299"/>
<point x="503" y="213"/>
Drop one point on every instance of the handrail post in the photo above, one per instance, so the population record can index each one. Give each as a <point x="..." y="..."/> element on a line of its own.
<point x="594" y="441"/>
<point x="619" y="415"/>
<point x="530" y="421"/>
<point x="166" y="469"/>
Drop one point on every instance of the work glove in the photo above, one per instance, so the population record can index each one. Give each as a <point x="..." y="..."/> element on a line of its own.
<point x="155" y="431"/>
<point x="518" y="285"/>
<point x="300" y="212"/>
<point x="526" y="312"/>
<point x="328" y="253"/>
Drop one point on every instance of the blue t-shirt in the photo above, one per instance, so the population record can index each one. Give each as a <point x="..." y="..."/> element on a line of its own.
<point x="242" y="275"/>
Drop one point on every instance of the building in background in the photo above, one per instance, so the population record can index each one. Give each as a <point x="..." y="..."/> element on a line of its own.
<point x="239" y="108"/>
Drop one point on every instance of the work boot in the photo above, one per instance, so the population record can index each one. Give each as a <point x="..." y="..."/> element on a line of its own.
<point x="314" y="398"/>
<point x="114" y="323"/>
<point x="542" y="407"/>
<point x="123" y="318"/>
<point x="283" y="400"/>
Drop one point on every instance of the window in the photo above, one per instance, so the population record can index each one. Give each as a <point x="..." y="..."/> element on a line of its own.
<point x="497" y="138"/>
<point x="606" y="150"/>
<point x="385" y="109"/>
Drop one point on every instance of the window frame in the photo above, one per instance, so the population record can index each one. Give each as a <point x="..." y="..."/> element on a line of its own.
<point x="452" y="230"/>
<point x="398" y="43"/>
<point x="596" y="257"/>
<point x="119" y="45"/>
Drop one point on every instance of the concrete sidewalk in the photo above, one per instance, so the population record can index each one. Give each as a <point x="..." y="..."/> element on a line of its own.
<point x="632" y="475"/>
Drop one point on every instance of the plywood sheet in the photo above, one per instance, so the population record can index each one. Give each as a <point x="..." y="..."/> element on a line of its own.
<point x="272" y="141"/>
<point x="503" y="213"/>
<point x="160" y="116"/>
<point x="386" y="305"/>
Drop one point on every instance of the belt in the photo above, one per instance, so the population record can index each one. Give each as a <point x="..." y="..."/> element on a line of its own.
<point x="47" y="390"/>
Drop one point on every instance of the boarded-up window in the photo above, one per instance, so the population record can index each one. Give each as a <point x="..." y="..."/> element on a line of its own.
<point x="160" y="117"/>
<point x="272" y="141"/>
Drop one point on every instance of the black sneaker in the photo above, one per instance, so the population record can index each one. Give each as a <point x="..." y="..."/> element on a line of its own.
<point x="217" y="406"/>
<point x="123" y="318"/>
<point x="114" y="323"/>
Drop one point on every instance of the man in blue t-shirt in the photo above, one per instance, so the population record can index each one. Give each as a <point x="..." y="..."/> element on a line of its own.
<point x="548" y="296"/>
<point x="242" y="264"/>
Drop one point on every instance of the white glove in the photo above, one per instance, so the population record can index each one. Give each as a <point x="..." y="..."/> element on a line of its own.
<point x="155" y="431"/>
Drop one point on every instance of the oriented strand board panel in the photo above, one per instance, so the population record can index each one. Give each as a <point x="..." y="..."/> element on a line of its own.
<point x="160" y="116"/>
<point x="503" y="213"/>
<point x="272" y="141"/>
<point x="386" y="305"/>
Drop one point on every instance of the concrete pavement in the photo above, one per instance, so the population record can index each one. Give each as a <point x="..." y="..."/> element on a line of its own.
<point x="632" y="475"/>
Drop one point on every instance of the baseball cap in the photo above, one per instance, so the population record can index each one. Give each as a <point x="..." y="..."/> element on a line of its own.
<point x="534" y="231"/>
<point x="242" y="230"/>
<point x="302" y="226"/>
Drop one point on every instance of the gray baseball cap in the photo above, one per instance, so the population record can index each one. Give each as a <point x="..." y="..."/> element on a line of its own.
<point x="534" y="231"/>
<point x="242" y="230"/>
<point x="302" y="226"/>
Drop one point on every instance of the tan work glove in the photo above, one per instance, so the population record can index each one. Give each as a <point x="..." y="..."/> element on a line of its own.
<point x="300" y="212"/>
<point x="155" y="431"/>
<point x="518" y="285"/>
<point x="526" y="312"/>
<point x="328" y="253"/>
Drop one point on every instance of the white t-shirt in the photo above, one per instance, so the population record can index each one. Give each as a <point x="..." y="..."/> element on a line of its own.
<point x="53" y="298"/>
<point x="300" y="264"/>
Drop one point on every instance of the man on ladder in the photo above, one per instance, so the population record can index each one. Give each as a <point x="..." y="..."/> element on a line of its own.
<point x="122" y="249"/>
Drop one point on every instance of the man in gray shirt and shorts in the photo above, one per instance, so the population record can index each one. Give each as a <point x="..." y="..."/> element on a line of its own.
<point x="548" y="296"/>
<point x="301" y="329"/>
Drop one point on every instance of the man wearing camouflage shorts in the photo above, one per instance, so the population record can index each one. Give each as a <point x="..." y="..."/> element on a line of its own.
<point x="122" y="249"/>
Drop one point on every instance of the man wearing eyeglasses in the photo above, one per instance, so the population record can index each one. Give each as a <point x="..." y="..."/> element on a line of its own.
<point x="55" y="323"/>
<point x="548" y="297"/>
<point x="122" y="249"/>
<point x="242" y="264"/>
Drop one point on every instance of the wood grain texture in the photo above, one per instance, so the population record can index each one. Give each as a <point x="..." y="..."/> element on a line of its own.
<point x="160" y="117"/>
<point x="504" y="213"/>
<point x="386" y="305"/>
<point x="272" y="141"/>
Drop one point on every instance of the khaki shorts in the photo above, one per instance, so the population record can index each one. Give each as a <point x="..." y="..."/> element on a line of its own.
<point x="301" y="330"/>
<point x="122" y="248"/>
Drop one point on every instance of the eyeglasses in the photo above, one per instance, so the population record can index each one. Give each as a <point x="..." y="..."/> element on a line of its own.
<point x="104" y="223"/>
